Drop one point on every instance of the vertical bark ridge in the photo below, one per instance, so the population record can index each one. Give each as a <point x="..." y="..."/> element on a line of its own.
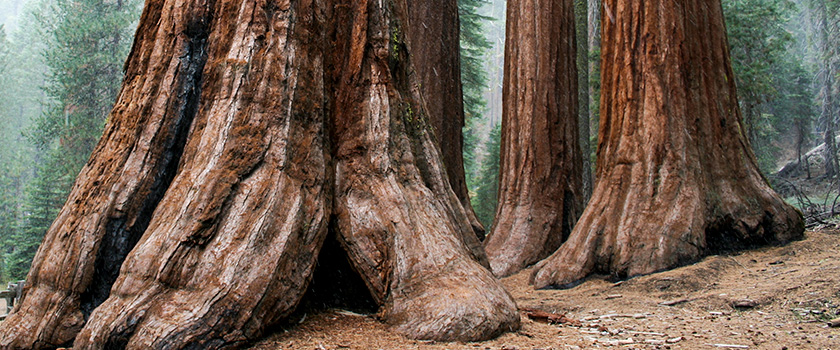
<point x="404" y="229"/>
<point x="233" y="244"/>
<point x="540" y="189"/>
<point x="121" y="236"/>
<point x="677" y="179"/>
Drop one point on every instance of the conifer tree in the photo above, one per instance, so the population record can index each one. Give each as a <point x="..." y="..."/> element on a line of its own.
<point x="87" y="43"/>
<point x="487" y="189"/>
<point x="825" y="22"/>
<point x="474" y="47"/>
<point x="768" y="80"/>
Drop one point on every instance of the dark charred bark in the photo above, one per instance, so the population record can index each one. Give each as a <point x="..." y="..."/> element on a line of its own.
<point x="540" y="191"/>
<point x="243" y="128"/>
<point x="677" y="179"/>
<point x="434" y="41"/>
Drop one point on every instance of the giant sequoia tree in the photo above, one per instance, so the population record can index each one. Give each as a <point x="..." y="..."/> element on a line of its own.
<point x="245" y="131"/>
<point x="434" y="36"/>
<point x="676" y="176"/>
<point x="540" y="187"/>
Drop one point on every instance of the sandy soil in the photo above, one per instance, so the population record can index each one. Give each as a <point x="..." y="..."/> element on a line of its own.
<point x="796" y="289"/>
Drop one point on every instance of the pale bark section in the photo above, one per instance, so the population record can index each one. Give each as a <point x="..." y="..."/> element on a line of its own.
<point x="676" y="178"/>
<point x="402" y="225"/>
<point x="540" y="189"/>
<point x="434" y="43"/>
<point x="116" y="192"/>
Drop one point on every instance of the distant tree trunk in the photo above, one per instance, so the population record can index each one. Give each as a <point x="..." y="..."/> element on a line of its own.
<point x="828" y="85"/>
<point x="830" y="135"/>
<point x="540" y="192"/>
<point x="434" y="38"/>
<point x="582" y="37"/>
<point x="594" y="82"/>
<point x="243" y="128"/>
<point x="676" y="177"/>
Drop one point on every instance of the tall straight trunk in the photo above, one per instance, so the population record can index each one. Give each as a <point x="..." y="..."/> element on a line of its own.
<point x="829" y="109"/>
<point x="434" y="40"/>
<point x="582" y="37"/>
<point x="244" y="132"/>
<point x="828" y="86"/>
<point x="676" y="177"/>
<point x="593" y="27"/>
<point x="540" y="194"/>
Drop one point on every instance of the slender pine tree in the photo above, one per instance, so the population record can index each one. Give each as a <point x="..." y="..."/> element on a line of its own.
<point x="474" y="48"/>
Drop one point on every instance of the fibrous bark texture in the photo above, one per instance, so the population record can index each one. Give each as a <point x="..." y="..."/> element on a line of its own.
<point x="434" y="42"/>
<point x="245" y="130"/>
<point x="676" y="176"/>
<point x="403" y="228"/>
<point x="540" y="190"/>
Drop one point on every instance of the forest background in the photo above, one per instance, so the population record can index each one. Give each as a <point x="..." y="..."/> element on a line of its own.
<point x="61" y="65"/>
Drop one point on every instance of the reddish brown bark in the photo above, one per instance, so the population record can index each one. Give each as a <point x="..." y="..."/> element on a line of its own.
<point x="242" y="130"/>
<point x="402" y="226"/>
<point x="676" y="177"/>
<point x="540" y="190"/>
<point x="434" y="40"/>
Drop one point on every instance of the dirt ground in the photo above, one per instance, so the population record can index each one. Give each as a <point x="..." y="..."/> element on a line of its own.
<point x="795" y="289"/>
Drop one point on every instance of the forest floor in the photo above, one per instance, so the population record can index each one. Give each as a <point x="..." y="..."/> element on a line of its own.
<point x="795" y="289"/>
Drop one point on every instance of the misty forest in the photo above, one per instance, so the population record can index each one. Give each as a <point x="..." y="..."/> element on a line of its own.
<point x="405" y="174"/>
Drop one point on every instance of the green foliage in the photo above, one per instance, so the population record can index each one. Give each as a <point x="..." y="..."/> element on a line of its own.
<point x="487" y="190"/>
<point x="474" y="47"/>
<point x="4" y="52"/>
<point x="773" y="87"/>
<point x="824" y="19"/>
<point x="44" y="197"/>
<point x="81" y="46"/>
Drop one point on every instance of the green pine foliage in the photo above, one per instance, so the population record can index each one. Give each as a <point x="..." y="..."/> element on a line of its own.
<point x="44" y="198"/>
<point x="772" y="83"/>
<point x="484" y="203"/>
<point x="84" y="46"/>
<point x="824" y="40"/>
<point x="474" y="47"/>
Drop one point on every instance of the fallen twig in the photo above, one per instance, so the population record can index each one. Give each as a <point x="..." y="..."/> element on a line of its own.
<point x="550" y="318"/>
<point x="675" y="302"/>
<point x="647" y="333"/>
<point x="730" y="346"/>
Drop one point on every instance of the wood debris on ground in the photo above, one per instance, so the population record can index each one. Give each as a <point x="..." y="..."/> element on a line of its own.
<point x="550" y="318"/>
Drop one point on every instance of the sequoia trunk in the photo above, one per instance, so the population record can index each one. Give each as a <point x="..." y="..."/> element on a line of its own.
<point x="434" y="41"/>
<point x="676" y="177"/>
<point x="242" y="130"/>
<point x="540" y="191"/>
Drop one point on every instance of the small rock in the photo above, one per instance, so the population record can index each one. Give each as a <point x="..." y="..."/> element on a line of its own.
<point x="834" y="323"/>
<point x="674" y="340"/>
